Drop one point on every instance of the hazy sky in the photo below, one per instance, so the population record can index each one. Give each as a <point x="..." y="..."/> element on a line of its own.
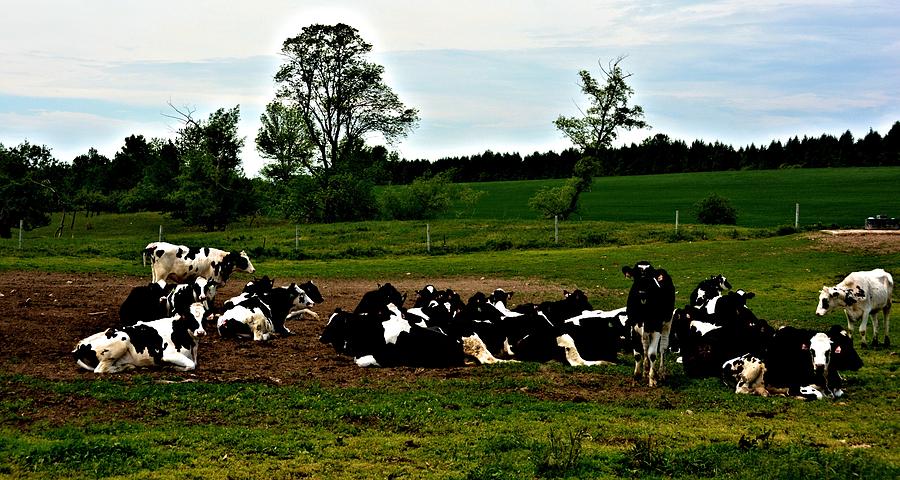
<point x="483" y="74"/>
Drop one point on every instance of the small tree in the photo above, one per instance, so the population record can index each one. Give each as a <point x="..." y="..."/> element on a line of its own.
<point x="715" y="210"/>
<point x="27" y="191"/>
<point x="594" y="131"/>
<point x="425" y="198"/>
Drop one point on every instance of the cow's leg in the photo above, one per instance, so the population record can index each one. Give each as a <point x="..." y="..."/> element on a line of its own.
<point x="863" y="329"/>
<point x="638" y="364"/>
<point x="886" y="311"/>
<point x="663" y="346"/>
<point x="181" y="362"/>
<point x="651" y="346"/>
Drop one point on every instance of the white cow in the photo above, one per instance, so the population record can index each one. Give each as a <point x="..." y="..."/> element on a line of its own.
<point x="169" y="341"/>
<point x="861" y="294"/>
<point x="181" y="264"/>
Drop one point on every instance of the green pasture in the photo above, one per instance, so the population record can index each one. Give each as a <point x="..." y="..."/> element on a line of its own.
<point x="763" y="198"/>
<point x="506" y="421"/>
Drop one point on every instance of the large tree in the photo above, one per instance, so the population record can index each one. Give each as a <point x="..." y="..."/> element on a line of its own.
<point x="597" y="127"/>
<point x="340" y="98"/>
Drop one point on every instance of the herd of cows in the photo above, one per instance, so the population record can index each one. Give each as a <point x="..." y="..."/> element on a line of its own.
<point x="715" y="335"/>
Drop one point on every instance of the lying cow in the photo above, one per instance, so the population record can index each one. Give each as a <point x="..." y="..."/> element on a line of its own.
<point x="797" y="362"/>
<point x="159" y="300"/>
<point x="179" y="263"/>
<point x="262" y="315"/>
<point x="651" y="303"/>
<point x="859" y="295"/>
<point x="165" y="342"/>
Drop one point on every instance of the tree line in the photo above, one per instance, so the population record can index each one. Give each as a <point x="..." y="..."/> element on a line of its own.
<point x="660" y="154"/>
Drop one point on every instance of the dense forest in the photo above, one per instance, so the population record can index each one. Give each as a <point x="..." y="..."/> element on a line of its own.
<point x="660" y="154"/>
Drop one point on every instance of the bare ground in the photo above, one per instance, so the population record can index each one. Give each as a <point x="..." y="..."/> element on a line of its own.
<point x="46" y="314"/>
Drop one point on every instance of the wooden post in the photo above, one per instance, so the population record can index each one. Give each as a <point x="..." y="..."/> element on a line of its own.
<point x="556" y="228"/>
<point x="797" y="216"/>
<point x="676" y="221"/>
<point x="160" y="233"/>
<point x="428" y="237"/>
<point x="297" y="238"/>
<point x="21" y="226"/>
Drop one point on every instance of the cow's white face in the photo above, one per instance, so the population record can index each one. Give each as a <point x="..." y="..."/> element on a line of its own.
<point x="198" y="312"/>
<point x="820" y="352"/>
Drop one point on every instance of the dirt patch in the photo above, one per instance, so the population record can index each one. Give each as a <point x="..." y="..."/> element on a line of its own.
<point x="882" y="242"/>
<point x="46" y="314"/>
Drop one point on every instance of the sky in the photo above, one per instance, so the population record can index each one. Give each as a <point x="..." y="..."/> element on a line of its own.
<point x="484" y="75"/>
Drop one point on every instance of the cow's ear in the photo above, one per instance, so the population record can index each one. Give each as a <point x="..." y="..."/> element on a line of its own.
<point x="660" y="277"/>
<point x="566" y="293"/>
<point x="509" y="295"/>
<point x="749" y="295"/>
<point x="626" y="270"/>
<point x="805" y="346"/>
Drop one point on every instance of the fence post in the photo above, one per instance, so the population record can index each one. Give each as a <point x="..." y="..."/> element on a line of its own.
<point x="160" y="233"/>
<point x="428" y="237"/>
<point x="556" y="228"/>
<point x="296" y="237"/>
<point x="797" y="217"/>
<point x="676" y="222"/>
<point x="21" y="223"/>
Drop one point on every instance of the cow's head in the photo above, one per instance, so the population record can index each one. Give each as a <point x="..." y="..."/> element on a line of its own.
<point x="500" y="295"/>
<point x="425" y="296"/>
<point x="642" y="269"/>
<point x="204" y="289"/>
<point x="391" y="294"/>
<point x="831" y="298"/>
<point x="578" y="299"/>
<point x="300" y="298"/>
<point x="819" y="347"/>
<point x="193" y="321"/>
<point x="312" y="291"/>
<point x="721" y="282"/>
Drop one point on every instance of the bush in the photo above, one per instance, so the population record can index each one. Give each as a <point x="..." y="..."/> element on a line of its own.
<point x="425" y="198"/>
<point x="715" y="210"/>
<point x="555" y="201"/>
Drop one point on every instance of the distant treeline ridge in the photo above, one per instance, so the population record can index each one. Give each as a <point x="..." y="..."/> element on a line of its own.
<point x="660" y="154"/>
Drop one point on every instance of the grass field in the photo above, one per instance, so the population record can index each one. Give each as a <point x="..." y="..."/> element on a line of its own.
<point x="493" y="422"/>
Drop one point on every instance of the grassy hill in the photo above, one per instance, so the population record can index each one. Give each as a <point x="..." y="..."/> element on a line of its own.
<point x="763" y="198"/>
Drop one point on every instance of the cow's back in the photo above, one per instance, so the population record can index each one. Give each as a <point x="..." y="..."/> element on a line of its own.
<point x="877" y="284"/>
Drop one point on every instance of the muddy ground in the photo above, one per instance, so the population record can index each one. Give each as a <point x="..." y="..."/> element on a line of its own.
<point x="46" y="314"/>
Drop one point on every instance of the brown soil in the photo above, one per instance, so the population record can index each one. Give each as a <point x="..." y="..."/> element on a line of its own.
<point x="46" y="314"/>
<point x="879" y="242"/>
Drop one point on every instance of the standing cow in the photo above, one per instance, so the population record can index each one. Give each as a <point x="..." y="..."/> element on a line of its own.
<point x="651" y="303"/>
<point x="180" y="263"/>
<point x="861" y="294"/>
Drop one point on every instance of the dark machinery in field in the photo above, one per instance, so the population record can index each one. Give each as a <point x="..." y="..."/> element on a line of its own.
<point x="882" y="222"/>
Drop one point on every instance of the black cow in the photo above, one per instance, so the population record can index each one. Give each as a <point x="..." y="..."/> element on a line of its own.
<point x="144" y="303"/>
<point x="651" y="303"/>
<point x="375" y="300"/>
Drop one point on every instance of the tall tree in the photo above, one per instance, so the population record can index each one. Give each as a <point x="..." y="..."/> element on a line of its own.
<point x="594" y="131"/>
<point x="341" y="97"/>
<point x="212" y="189"/>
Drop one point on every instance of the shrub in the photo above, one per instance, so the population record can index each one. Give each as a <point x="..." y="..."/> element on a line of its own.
<point x="715" y="210"/>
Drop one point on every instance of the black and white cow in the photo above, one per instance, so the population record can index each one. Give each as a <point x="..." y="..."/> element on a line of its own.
<point x="797" y="362"/>
<point x="262" y="315"/>
<point x="651" y="303"/>
<point x="164" y="342"/>
<point x="708" y="289"/>
<point x="375" y="300"/>
<point x="597" y="334"/>
<point x="159" y="300"/>
<point x="861" y="294"/>
<point x="180" y="264"/>
<point x="382" y="337"/>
